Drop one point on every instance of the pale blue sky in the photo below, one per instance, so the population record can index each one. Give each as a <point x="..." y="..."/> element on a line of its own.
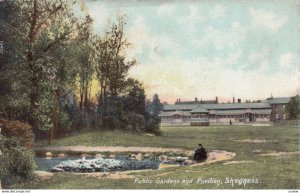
<point x="204" y="49"/>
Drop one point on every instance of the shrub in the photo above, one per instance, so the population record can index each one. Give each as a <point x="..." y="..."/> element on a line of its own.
<point x="63" y="124"/>
<point x="22" y="131"/>
<point x="17" y="162"/>
<point x="135" y="122"/>
<point x="152" y="126"/>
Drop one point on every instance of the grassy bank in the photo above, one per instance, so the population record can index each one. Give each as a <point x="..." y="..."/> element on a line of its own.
<point x="269" y="172"/>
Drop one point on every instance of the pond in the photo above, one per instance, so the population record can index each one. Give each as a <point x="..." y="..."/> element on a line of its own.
<point x="77" y="164"/>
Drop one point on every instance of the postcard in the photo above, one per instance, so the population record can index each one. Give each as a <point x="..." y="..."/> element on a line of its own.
<point x="160" y="94"/>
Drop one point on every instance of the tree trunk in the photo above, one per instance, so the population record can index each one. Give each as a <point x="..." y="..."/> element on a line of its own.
<point x="54" y="118"/>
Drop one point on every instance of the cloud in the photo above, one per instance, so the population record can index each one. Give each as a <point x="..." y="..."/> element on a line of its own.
<point x="222" y="38"/>
<point x="100" y="14"/>
<point x="192" y="19"/>
<point x="141" y="36"/>
<point x="258" y="59"/>
<point x="203" y="78"/>
<point x="267" y="20"/>
<point x="217" y="12"/>
<point x="287" y="60"/>
<point x="166" y="9"/>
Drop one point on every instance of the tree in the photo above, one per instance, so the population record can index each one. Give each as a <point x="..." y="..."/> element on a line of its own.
<point x="293" y="107"/>
<point x="110" y="66"/>
<point x="135" y="98"/>
<point x="156" y="106"/>
<point x="45" y="30"/>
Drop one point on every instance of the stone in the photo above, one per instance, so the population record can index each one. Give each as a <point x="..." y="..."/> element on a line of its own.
<point x="256" y="151"/>
<point x="55" y="169"/>
<point x="139" y="157"/>
<point x="98" y="155"/>
<point x="163" y="157"/>
<point x="132" y="157"/>
<point x="48" y="154"/>
<point x="85" y="155"/>
<point x="61" y="155"/>
<point x="147" y="155"/>
<point x="151" y="135"/>
<point x="112" y="156"/>
<point x="181" y="159"/>
<point x="188" y="162"/>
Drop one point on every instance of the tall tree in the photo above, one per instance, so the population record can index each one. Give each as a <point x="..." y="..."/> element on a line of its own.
<point x="44" y="28"/>
<point x="293" y="107"/>
<point x="135" y="99"/>
<point x="156" y="106"/>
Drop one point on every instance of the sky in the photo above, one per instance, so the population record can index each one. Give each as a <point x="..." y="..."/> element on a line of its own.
<point x="187" y="49"/>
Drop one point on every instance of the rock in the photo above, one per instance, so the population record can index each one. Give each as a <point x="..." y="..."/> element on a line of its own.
<point x="256" y="151"/>
<point x="188" y="162"/>
<point x="139" y="157"/>
<point x="61" y="155"/>
<point x="98" y="155"/>
<point x="112" y="156"/>
<point x="163" y="157"/>
<point x="151" y="135"/>
<point x="181" y="159"/>
<point x="147" y="155"/>
<point x="85" y="155"/>
<point x="48" y="154"/>
<point x="132" y="157"/>
<point x="55" y="169"/>
<point x="173" y="159"/>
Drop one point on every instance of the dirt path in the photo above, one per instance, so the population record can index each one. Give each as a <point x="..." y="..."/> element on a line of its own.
<point x="88" y="149"/>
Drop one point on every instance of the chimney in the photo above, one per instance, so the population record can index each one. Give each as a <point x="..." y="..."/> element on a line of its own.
<point x="239" y="100"/>
<point x="233" y="100"/>
<point x="217" y="101"/>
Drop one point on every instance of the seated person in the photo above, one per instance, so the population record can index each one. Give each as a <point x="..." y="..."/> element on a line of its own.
<point x="200" y="153"/>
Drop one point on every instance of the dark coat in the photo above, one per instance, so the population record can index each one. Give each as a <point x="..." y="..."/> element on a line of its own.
<point x="200" y="154"/>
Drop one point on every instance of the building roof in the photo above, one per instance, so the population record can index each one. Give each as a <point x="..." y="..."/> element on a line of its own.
<point x="197" y="102"/>
<point x="281" y="100"/>
<point x="206" y="107"/>
<point x="170" y="113"/>
<point x="186" y="107"/>
<point x="199" y="109"/>
<point x="240" y="112"/>
<point x="236" y="106"/>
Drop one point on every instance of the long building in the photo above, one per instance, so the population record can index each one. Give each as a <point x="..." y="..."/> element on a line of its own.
<point x="202" y="113"/>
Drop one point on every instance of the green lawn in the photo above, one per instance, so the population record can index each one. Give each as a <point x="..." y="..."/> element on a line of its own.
<point x="270" y="172"/>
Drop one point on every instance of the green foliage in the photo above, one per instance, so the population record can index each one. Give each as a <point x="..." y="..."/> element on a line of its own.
<point x="293" y="107"/>
<point x="63" y="125"/>
<point x="40" y="38"/>
<point x="152" y="126"/>
<point x="135" y="122"/>
<point x="17" y="162"/>
<point x="49" y="52"/>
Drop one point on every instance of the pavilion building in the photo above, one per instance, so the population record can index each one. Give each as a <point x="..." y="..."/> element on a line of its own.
<point x="210" y="113"/>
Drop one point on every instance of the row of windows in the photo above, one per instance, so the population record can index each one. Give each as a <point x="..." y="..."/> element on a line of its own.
<point x="214" y="116"/>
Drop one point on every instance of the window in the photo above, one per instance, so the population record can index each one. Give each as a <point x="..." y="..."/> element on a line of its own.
<point x="277" y="116"/>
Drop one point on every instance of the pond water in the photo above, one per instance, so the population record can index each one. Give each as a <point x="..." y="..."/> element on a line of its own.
<point x="46" y="164"/>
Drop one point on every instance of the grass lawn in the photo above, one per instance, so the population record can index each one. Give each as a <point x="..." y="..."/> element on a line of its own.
<point x="265" y="172"/>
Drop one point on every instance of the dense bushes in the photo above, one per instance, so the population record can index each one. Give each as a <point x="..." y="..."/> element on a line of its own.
<point x="17" y="162"/>
<point x="17" y="129"/>
<point x="152" y="126"/>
